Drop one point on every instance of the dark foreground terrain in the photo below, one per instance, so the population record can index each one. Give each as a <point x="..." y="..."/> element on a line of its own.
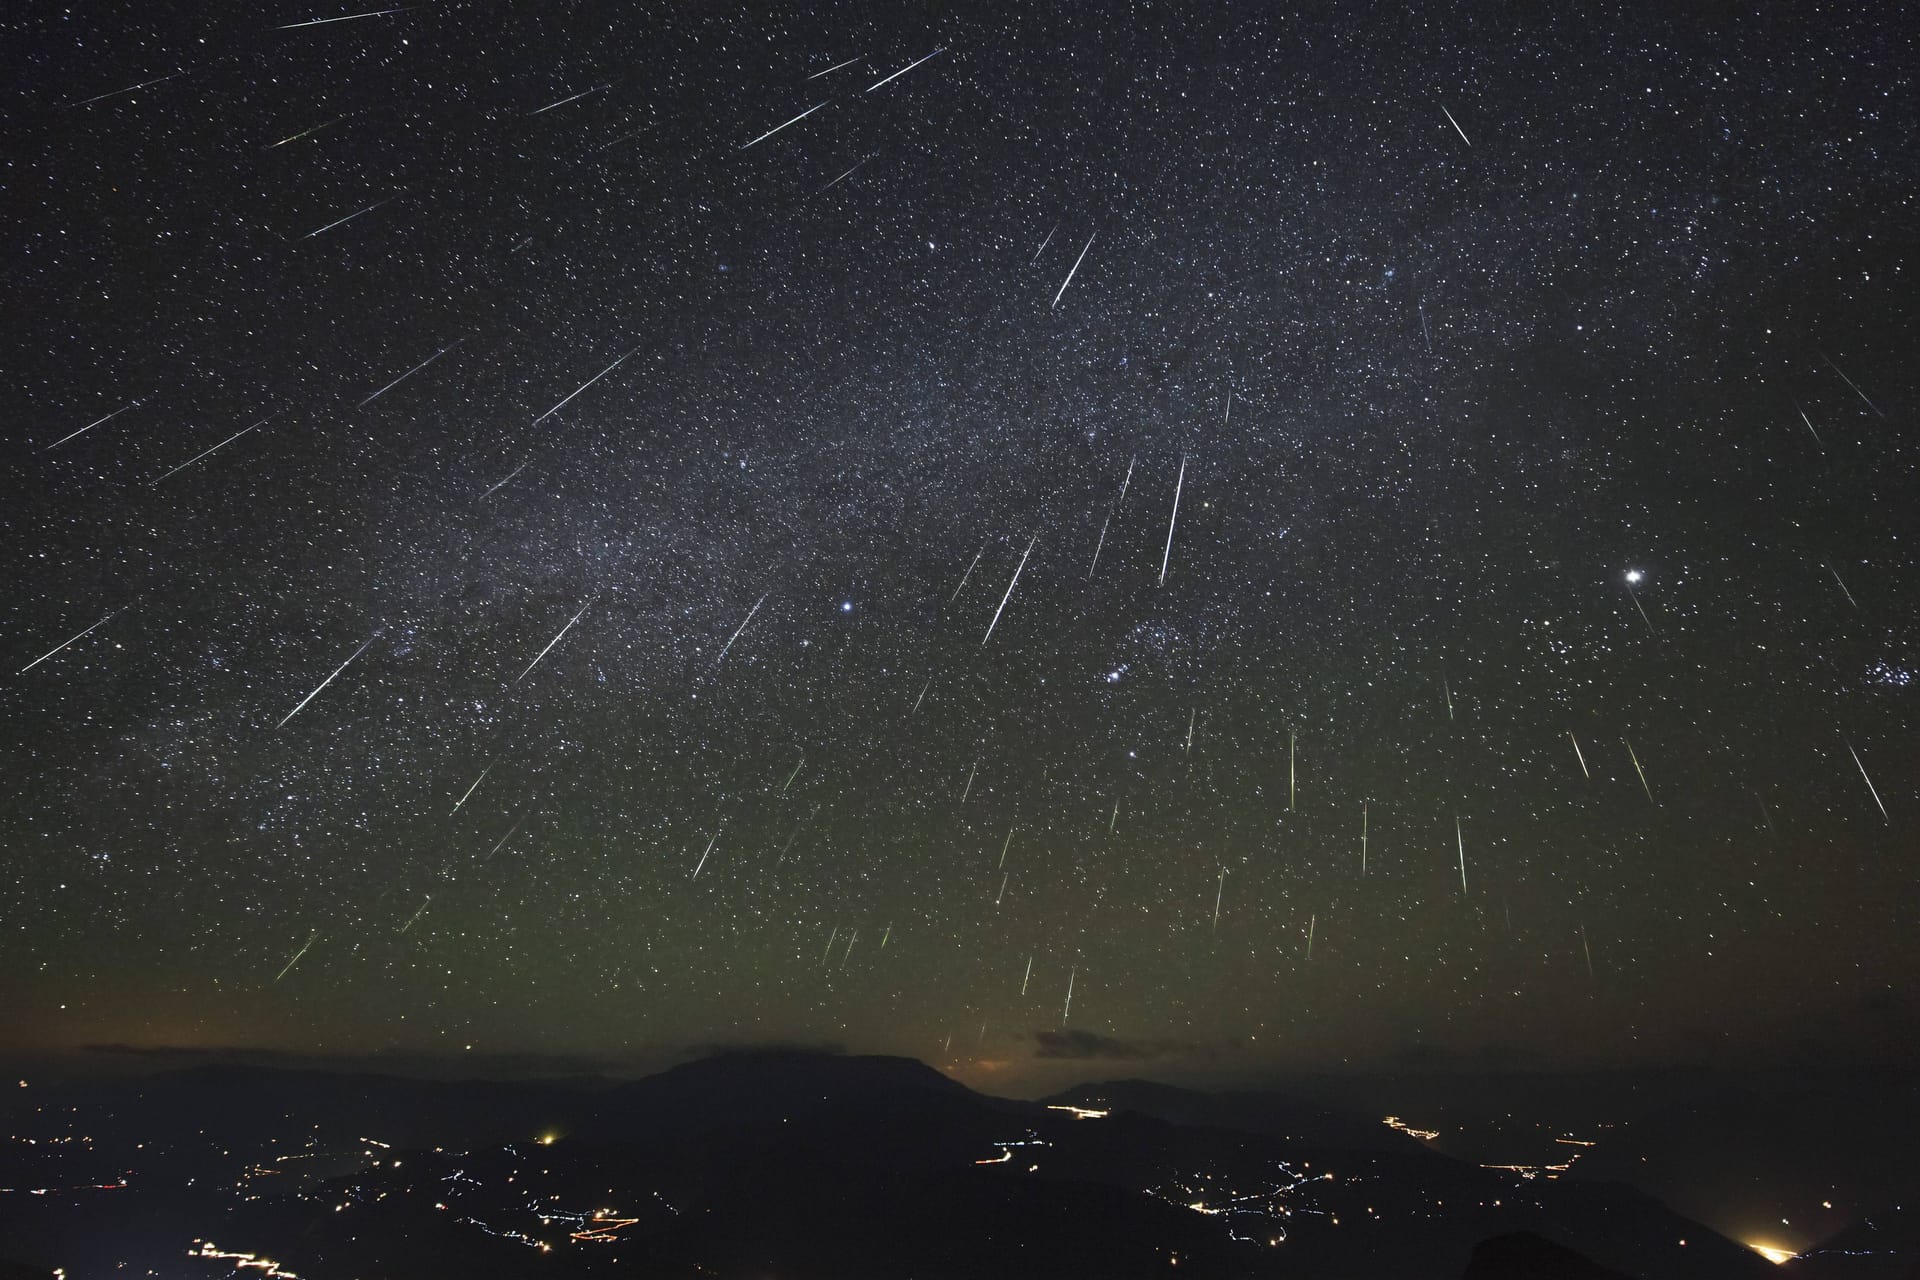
<point x="796" y="1165"/>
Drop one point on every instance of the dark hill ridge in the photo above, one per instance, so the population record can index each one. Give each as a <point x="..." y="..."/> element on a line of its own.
<point x="791" y="1163"/>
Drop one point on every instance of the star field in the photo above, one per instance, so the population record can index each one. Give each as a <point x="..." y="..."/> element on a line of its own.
<point x="604" y="570"/>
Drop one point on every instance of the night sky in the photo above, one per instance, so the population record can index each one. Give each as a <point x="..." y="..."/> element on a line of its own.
<point x="523" y="491"/>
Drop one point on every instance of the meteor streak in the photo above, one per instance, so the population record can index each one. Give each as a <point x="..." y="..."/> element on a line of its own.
<point x="1579" y="755"/>
<point x="582" y="387"/>
<point x="1070" y="274"/>
<point x="1631" y="755"/>
<point x="777" y="128"/>
<point x="470" y="790"/>
<point x="1461" y="841"/>
<point x="81" y="635"/>
<point x="296" y="957"/>
<point x="345" y="17"/>
<point x="1010" y="587"/>
<point x="742" y="627"/>
<point x="1456" y="125"/>
<point x="836" y="66"/>
<point x="408" y="374"/>
<point x="329" y="680"/>
<point x="556" y="640"/>
<point x="1172" y="520"/>
<point x="90" y="426"/>
<point x="205" y="452"/>
<point x="703" y="858"/>
<point x="902" y="71"/>
<point x="1873" y="790"/>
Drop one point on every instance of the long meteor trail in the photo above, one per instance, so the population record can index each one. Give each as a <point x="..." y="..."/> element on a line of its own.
<point x="777" y="128"/>
<point x="902" y="71"/>
<point x="345" y="17"/>
<point x="742" y="627"/>
<point x="70" y="640"/>
<point x="365" y="645"/>
<point x="217" y="448"/>
<point x="1010" y="587"/>
<point x="583" y="386"/>
<point x="1076" y="267"/>
<point x="1172" y="520"/>
<point x="556" y="640"/>
<point x="408" y="374"/>
<point x="90" y="426"/>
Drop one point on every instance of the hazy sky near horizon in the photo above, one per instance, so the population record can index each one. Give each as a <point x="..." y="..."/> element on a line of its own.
<point x="1139" y="537"/>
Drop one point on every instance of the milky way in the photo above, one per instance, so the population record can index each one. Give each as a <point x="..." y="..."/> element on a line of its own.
<point x="621" y="429"/>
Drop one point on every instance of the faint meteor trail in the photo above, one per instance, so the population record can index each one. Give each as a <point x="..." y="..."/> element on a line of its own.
<point x="969" y="573"/>
<point x="501" y="843"/>
<point x="969" y="788"/>
<point x="1096" y="546"/>
<point x="711" y="840"/>
<point x="365" y="645"/>
<point x="306" y="132"/>
<point x="416" y="915"/>
<point x="1074" y="973"/>
<point x="836" y="66"/>
<point x="1586" y="950"/>
<point x="90" y="426"/>
<point x="1633" y="756"/>
<point x="1004" y="845"/>
<point x="470" y="790"/>
<point x="1851" y="383"/>
<point x="501" y="483"/>
<point x="349" y="218"/>
<point x="1842" y="584"/>
<point x="923" y="696"/>
<point x="1809" y="421"/>
<point x="1029" y="978"/>
<point x="71" y="639"/>
<point x="1172" y="520"/>
<point x="556" y="640"/>
<point x="1193" y="713"/>
<point x="1071" y="273"/>
<point x="296" y="957"/>
<point x="1312" y="921"/>
<point x="1579" y="755"/>
<point x="848" y="173"/>
<point x="1004" y="877"/>
<point x="564" y="101"/>
<point x="1010" y="586"/>
<point x="582" y="387"/>
<point x="742" y="627"/>
<point x="345" y="17"/>
<point x="1124" y="482"/>
<point x="408" y="374"/>
<point x="796" y="773"/>
<point x="1873" y="790"/>
<point x="1456" y="125"/>
<point x="1043" y="246"/>
<point x="1461" y="841"/>
<point x="1363" y="837"/>
<point x="829" y="948"/>
<point x="902" y="71"/>
<point x="1635" y="596"/>
<point x="1218" y="893"/>
<point x="116" y="93"/>
<point x="777" y="128"/>
<point x="217" y="448"/>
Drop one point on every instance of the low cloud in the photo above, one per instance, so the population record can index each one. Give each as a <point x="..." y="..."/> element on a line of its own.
<point x="1084" y="1046"/>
